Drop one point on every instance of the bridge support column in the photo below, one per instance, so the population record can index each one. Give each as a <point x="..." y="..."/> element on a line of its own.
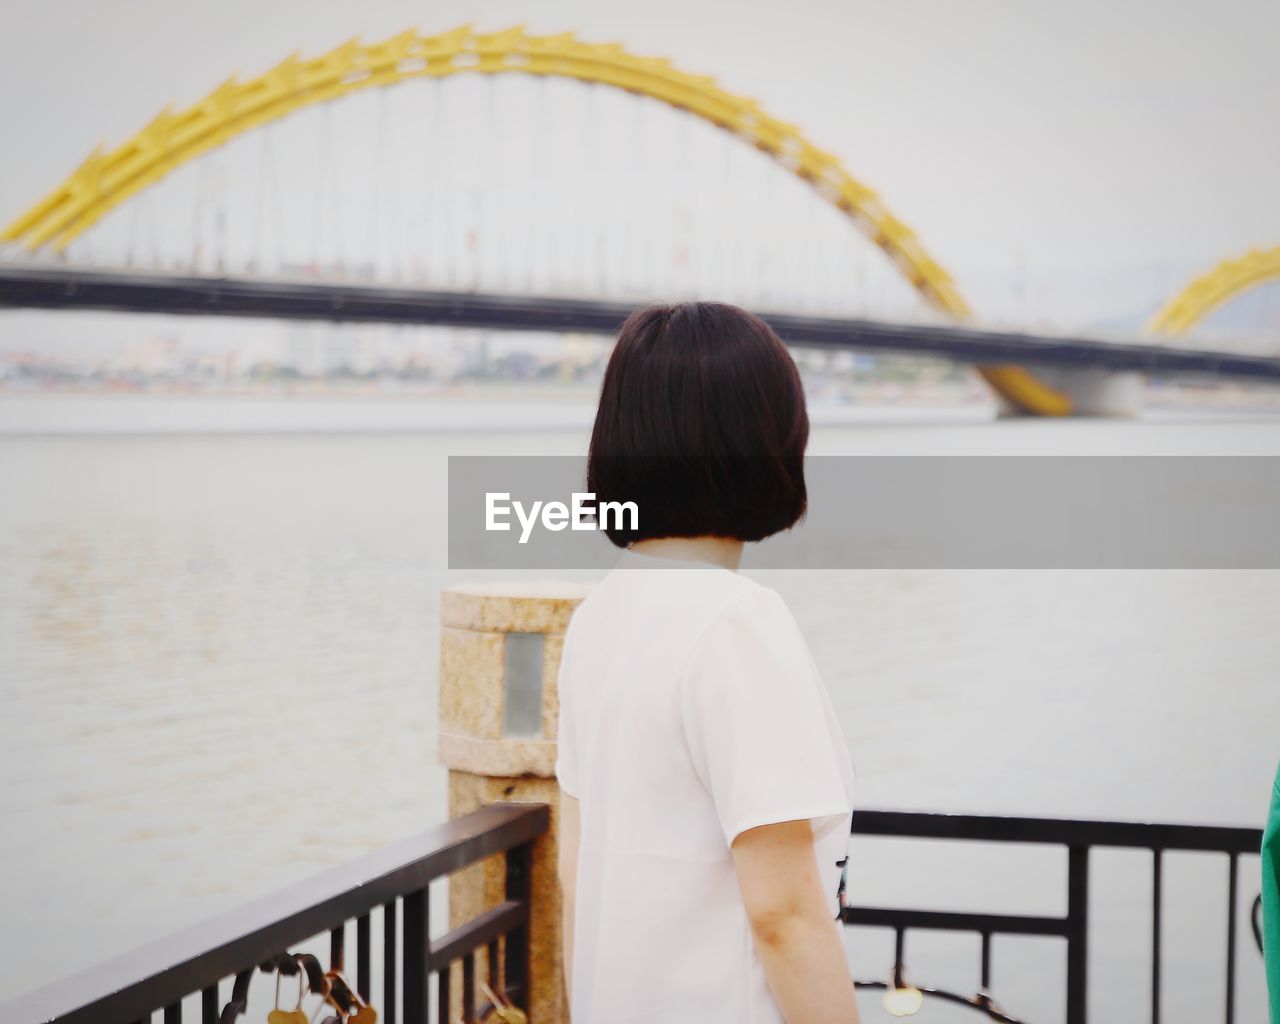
<point x="1098" y="392"/>
<point x="499" y="657"/>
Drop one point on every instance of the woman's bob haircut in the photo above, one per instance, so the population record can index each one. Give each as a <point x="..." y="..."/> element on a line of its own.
<point x="702" y="424"/>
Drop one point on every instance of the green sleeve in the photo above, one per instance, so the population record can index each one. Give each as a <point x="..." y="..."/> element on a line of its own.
<point x="1271" y="900"/>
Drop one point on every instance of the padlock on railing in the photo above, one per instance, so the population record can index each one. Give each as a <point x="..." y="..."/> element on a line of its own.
<point x="503" y="1011"/>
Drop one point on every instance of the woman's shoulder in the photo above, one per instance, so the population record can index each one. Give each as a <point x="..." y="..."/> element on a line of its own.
<point x="701" y="600"/>
<point x="751" y="605"/>
<point x="750" y="647"/>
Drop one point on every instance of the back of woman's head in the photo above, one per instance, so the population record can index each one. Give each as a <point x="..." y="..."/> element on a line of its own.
<point x="702" y="424"/>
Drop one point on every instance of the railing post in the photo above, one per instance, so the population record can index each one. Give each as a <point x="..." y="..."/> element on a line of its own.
<point x="1077" y="934"/>
<point x="500" y="650"/>
<point x="517" y="959"/>
<point x="417" y="926"/>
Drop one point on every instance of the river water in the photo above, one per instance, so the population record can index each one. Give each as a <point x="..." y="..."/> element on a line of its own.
<point x="218" y="647"/>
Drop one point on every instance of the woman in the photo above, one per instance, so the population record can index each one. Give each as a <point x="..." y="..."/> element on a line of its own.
<point x="706" y="791"/>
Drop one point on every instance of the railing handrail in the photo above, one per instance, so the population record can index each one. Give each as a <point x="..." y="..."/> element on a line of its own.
<point x="1062" y="831"/>
<point x="163" y="972"/>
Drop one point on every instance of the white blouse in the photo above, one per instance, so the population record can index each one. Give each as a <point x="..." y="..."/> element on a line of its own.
<point x="690" y="710"/>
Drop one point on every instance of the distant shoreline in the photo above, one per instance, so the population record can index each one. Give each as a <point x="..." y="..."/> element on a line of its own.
<point x="504" y="407"/>
<point x="480" y="411"/>
<point x="542" y="391"/>
<point x="868" y="394"/>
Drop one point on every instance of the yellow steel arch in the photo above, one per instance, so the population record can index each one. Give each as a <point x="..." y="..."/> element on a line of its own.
<point x="1205" y="293"/>
<point x="108" y="178"/>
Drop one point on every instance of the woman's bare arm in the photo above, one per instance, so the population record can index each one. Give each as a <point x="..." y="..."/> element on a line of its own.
<point x="567" y="868"/>
<point x="793" y="922"/>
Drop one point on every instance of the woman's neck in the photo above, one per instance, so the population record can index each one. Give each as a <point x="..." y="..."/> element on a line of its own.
<point x="722" y="551"/>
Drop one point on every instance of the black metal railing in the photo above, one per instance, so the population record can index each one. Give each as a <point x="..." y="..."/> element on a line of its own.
<point x="210" y="967"/>
<point x="392" y="884"/>
<point x="1078" y="838"/>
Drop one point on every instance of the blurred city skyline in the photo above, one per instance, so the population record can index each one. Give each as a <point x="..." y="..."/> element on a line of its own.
<point x="385" y="359"/>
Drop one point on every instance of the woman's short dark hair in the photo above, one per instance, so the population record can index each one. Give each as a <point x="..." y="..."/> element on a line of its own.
<point x="702" y="424"/>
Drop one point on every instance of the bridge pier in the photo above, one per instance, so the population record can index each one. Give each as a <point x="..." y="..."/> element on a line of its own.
<point x="1094" y="392"/>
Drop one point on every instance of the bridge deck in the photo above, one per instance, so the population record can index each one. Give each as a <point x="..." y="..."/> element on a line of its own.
<point x="42" y="287"/>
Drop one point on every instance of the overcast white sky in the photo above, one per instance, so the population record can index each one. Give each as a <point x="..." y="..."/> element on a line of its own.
<point x="1111" y="148"/>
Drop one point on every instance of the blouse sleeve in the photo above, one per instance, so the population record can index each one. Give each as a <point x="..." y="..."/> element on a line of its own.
<point x="756" y="721"/>
<point x="566" y="752"/>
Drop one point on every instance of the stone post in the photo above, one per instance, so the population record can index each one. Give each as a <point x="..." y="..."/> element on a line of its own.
<point x="500" y="650"/>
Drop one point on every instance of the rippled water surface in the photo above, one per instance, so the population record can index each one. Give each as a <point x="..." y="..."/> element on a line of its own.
<point x="218" y="664"/>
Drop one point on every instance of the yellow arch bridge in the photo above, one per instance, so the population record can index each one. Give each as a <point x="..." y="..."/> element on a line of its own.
<point x="108" y="178"/>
